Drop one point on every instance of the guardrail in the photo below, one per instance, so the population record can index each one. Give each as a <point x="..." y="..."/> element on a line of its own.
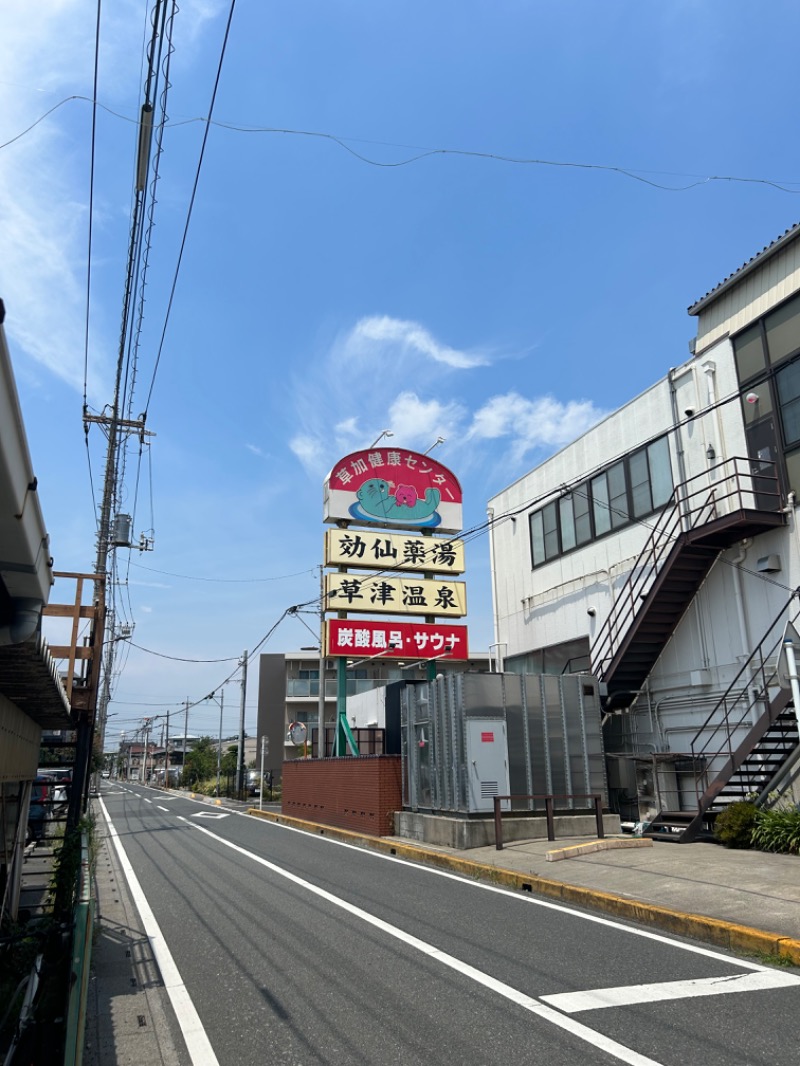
<point x="80" y="962"/>
<point x="549" y="808"/>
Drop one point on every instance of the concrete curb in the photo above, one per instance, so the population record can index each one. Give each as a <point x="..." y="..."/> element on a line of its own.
<point x="557" y="854"/>
<point x="740" y="939"/>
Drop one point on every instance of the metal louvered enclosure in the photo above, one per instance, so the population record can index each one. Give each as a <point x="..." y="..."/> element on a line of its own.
<point x="469" y="737"/>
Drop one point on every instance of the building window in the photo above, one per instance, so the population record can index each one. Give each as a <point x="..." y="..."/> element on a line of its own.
<point x="768" y="364"/>
<point x="788" y="383"/>
<point x="783" y="330"/>
<point x="748" y="349"/>
<point x="627" y="491"/>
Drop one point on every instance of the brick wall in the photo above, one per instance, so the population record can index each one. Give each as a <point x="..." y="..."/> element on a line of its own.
<point x="359" y="793"/>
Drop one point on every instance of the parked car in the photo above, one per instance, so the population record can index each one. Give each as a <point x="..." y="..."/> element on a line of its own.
<point x="40" y="811"/>
<point x="62" y="782"/>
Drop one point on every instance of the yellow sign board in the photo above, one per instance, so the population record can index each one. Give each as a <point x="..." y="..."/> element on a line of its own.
<point x="393" y="551"/>
<point x="388" y="594"/>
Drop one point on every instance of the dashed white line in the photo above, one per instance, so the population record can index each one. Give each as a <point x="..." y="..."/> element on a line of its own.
<point x="162" y="808"/>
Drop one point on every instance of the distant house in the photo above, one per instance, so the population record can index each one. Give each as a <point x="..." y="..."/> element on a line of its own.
<point x="660" y="552"/>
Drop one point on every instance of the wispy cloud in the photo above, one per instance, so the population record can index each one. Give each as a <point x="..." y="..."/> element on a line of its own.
<point x="44" y="175"/>
<point x="384" y="332"/>
<point x="331" y="418"/>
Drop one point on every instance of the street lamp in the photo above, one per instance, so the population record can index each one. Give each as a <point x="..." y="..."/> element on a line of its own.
<point x="384" y="433"/>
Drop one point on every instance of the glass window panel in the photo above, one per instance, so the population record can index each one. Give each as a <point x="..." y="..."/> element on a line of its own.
<point x="783" y="330"/>
<point x="790" y="417"/>
<point x="537" y="538"/>
<point x="788" y="382"/>
<point x="617" y="495"/>
<point x="580" y="509"/>
<point x="754" y="412"/>
<point x="602" y="515"/>
<point x="640" y="484"/>
<point x="567" y="517"/>
<point x="749" y="351"/>
<point x="550" y="522"/>
<point x="660" y="472"/>
<point x="793" y="471"/>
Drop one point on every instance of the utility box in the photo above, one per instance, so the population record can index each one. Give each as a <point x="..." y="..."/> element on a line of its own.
<point x="487" y="763"/>
<point x="466" y="738"/>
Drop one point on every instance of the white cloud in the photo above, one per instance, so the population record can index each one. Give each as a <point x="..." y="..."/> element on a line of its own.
<point x="422" y="421"/>
<point x="309" y="451"/>
<point x="543" y="422"/>
<point x="412" y="338"/>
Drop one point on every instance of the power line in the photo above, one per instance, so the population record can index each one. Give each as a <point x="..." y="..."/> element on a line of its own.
<point x="191" y="205"/>
<point x="636" y="174"/>
<point x="223" y="580"/>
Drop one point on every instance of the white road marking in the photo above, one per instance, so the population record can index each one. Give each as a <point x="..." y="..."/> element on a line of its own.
<point x="572" y="1002"/>
<point x="198" y="1044"/>
<point x="215" y="815"/>
<point x="515" y="894"/>
<point x="541" y="1010"/>
<point x="146" y="799"/>
<point x="162" y="808"/>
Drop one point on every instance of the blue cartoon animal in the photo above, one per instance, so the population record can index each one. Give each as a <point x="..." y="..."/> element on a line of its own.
<point x="376" y="501"/>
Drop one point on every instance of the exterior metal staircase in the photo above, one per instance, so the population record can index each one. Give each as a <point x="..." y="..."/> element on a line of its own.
<point x="704" y="515"/>
<point x="744" y="743"/>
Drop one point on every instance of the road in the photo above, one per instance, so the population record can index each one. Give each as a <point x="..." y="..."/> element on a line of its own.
<point x="293" y="948"/>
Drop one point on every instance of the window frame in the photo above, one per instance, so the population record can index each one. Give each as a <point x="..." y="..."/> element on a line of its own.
<point x="540" y="555"/>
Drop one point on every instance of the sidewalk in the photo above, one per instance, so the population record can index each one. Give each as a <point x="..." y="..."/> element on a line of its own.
<point x="755" y="889"/>
<point x="129" y="1018"/>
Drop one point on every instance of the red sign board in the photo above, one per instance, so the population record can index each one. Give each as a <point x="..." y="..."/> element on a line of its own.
<point x="396" y="640"/>
<point x="394" y="488"/>
<point x="487" y="738"/>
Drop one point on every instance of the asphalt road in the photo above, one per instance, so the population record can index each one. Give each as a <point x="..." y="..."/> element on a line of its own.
<point x="297" y="949"/>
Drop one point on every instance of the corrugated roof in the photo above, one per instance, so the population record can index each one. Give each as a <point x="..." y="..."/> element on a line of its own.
<point x="745" y="268"/>
<point x="29" y="678"/>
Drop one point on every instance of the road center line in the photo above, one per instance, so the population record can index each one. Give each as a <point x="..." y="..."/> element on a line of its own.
<point x="162" y="808"/>
<point x="572" y="1002"/>
<point x="198" y="1044"/>
<point x="541" y="1010"/>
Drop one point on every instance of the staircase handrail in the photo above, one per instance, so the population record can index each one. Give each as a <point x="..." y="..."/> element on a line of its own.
<point x="692" y="504"/>
<point x="740" y="688"/>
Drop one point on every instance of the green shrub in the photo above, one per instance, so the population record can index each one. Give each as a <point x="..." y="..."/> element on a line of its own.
<point x="734" y="826"/>
<point x="778" y="829"/>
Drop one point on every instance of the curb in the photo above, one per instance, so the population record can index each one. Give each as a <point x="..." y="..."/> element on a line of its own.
<point x="740" y="939"/>
<point x="557" y="854"/>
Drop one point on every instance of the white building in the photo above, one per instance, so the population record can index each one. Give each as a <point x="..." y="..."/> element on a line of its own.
<point x="660" y="551"/>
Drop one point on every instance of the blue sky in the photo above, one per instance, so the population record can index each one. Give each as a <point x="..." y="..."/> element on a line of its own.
<point x="322" y="297"/>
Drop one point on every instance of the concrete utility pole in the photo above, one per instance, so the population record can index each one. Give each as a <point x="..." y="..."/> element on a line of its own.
<point x="240" y="769"/>
<point x="321" y="694"/>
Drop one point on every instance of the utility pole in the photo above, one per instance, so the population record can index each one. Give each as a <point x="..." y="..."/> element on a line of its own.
<point x="240" y="768"/>
<point x="166" y="757"/>
<point x="185" y="733"/>
<point x="264" y="750"/>
<point x="321" y="750"/>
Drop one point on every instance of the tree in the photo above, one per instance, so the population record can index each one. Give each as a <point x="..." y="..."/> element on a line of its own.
<point x="230" y="760"/>
<point x="201" y="762"/>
